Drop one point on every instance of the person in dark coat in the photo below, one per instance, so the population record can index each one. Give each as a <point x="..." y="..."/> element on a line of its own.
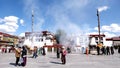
<point x="98" y="50"/>
<point x="108" y="50"/>
<point x="112" y="50"/>
<point x="58" y="52"/>
<point x="119" y="49"/>
<point x="24" y="56"/>
<point x="103" y="50"/>
<point x="68" y="50"/>
<point x="44" y="51"/>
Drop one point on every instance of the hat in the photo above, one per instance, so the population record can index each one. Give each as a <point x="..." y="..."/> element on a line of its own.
<point x="63" y="47"/>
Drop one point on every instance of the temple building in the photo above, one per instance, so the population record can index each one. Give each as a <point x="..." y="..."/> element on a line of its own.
<point x="115" y="40"/>
<point x="94" y="39"/>
<point x="7" y="41"/>
<point x="40" y="39"/>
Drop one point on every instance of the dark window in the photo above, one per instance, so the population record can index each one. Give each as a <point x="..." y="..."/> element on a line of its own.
<point x="41" y="39"/>
<point x="101" y="38"/>
<point x="97" y="42"/>
<point x="96" y="38"/>
<point x="102" y="42"/>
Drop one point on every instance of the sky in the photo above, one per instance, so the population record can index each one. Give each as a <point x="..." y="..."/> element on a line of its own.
<point x="72" y="16"/>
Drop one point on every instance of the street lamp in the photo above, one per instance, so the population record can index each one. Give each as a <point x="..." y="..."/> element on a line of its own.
<point x="99" y="26"/>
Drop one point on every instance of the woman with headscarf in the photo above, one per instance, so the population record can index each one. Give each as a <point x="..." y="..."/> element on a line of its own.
<point x="63" y="55"/>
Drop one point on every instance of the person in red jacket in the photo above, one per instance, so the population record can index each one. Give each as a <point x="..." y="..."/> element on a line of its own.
<point x="63" y="55"/>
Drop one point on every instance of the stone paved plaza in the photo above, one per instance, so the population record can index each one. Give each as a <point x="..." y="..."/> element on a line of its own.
<point x="7" y="60"/>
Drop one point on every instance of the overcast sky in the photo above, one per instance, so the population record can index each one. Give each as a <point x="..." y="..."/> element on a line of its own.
<point x="73" y="16"/>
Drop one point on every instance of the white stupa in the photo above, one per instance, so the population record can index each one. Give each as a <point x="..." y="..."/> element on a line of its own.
<point x="93" y="41"/>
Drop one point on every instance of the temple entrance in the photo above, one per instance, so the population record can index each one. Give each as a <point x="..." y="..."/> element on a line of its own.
<point x="52" y="48"/>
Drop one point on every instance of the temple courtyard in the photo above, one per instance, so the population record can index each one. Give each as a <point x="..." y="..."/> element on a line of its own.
<point x="74" y="60"/>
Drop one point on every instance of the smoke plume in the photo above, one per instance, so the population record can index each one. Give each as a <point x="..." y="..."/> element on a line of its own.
<point x="103" y="8"/>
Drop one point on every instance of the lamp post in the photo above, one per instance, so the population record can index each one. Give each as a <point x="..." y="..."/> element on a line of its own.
<point x="32" y="19"/>
<point x="98" y="26"/>
<point x="32" y="27"/>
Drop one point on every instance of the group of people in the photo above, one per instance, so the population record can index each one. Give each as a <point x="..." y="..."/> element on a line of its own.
<point x="21" y="52"/>
<point x="21" y="56"/>
<point x="105" y="50"/>
<point x="7" y="50"/>
<point x="37" y="51"/>
<point x="60" y="52"/>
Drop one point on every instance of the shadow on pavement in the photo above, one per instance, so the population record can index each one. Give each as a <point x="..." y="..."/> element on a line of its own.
<point x="55" y="62"/>
<point x="54" y="57"/>
<point x="30" y="57"/>
<point x="12" y="64"/>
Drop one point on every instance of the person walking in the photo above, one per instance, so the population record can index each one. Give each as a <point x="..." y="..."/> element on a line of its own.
<point x="17" y="55"/>
<point x="63" y="55"/>
<point x="58" y="52"/>
<point x="24" y="56"/>
<point x="112" y="50"/>
<point x="119" y="49"/>
<point x="103" y="50"/>
<point x="98" y="50"/>
<point x="44" y="53"/>
<point x="108" y="50"/>
<point x="35" y="52"/>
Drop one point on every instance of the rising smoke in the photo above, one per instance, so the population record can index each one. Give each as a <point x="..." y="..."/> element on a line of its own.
<point x="103" y="8"/>
<point x="60" y="15"/>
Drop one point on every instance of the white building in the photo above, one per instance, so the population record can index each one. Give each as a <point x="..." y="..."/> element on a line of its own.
<point x="79" y="42"/>
<point x="39" y="39"/>
<point x="94" y="39"/>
